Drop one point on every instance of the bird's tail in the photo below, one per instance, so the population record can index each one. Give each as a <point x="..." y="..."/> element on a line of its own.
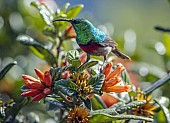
<point x="119" y="54"/>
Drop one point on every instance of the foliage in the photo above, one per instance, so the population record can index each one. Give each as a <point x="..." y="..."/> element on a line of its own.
<point x="72" y="87"/>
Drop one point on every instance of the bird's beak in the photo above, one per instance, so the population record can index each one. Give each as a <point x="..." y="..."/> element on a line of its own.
<point x="63" y="19"/>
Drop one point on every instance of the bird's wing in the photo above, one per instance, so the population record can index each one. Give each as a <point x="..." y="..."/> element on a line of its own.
<point x="108" y="42"/>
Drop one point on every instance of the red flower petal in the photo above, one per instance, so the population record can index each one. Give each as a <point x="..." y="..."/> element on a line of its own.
<point x="39" y="97"/>
<point x="47" y="91"/>
<point x="27" y="77"/>
<point x="34" y="85"/>
<point x="31" y="92"/>
<point x="39" y="74"/>
<point x="47" y="79"/>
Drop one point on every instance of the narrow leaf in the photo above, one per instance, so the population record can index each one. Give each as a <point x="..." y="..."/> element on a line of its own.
<point x="74" y="11"/>
<point x="37" y="48"/>
<point x="96" y="118"/>
<point x="97" y="102"/>
<point x="165" y="111"/>
<point x="44" y="11"/>
<point x="87" y="65"/>
<point x="4" y="70"/>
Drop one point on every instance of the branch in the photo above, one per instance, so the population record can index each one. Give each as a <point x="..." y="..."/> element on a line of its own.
<point x="157" y="84"/>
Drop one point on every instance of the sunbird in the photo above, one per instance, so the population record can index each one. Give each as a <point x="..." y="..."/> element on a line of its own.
<point x="92" y="40"/>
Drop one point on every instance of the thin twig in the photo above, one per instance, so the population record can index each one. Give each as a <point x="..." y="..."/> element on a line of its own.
<point x="157" y="84"/>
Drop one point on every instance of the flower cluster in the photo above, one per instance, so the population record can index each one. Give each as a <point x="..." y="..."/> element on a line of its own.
<point x="38" y="88"/>
<point x="148" y="109"/>
<point x="112" y="78"/>
<point x="78" y="115"/>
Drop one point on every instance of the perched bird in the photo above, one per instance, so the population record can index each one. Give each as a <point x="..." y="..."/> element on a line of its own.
<point x="92" y="40"/>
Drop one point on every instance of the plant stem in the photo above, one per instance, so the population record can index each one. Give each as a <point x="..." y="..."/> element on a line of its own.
<point x="157" y="84"/>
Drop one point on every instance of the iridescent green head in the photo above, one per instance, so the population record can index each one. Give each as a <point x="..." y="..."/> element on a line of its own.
<point x="79" y="24"/>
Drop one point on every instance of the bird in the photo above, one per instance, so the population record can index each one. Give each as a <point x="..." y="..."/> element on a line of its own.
<point x="92" y="40"/>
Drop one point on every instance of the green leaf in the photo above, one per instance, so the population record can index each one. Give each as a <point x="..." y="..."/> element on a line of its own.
<point x="4" y="70"/>
<point x="165" y="111"/>
<point x="97" y="102"/>
<point x="98" y="84"/>
<point x="72" y="55"/>
<point x="52" y="104"/>
<point x="44" y="11"/>
<point x="66" y="87"/>
<point x="37" y="48"/>
<point x="9" y="103"/>
<point x="87" y="65"/>
<point x="74" y="11"/>
<point x="166" y="41"/>
<point x="129" y="106"/>
<point x="97" y="118"/>
<point x="56" y="73"/>
<point x="65" y="7"/>
<point x="87" y="103"/>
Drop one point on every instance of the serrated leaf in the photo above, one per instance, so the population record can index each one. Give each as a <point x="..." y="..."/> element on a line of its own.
<point x="37" y="48"/>
<point x="96" y="118"/>
<point x="44" y="11"/>
<point x="72" y="55"/>
<point x="4" y="70"/>
<point x="97" y="102"/>
<point x="165" y="111"/>
<point x="56" y="73"/>
<point x="65" y="87"/>
<point x="74" y="11"/>
<point x="129" y="106"/>
<point x="54" y="105"/>
<point x="98" y="84"/>
<point x="87" y="65"/>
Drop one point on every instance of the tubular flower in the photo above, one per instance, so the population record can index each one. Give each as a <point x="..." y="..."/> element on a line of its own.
<point x="148" y="108"/>
<point x="112" y="78"/>
<point x="78" y="115"/>
<point x="38" y="88"/>
<point x="81" y="80"/>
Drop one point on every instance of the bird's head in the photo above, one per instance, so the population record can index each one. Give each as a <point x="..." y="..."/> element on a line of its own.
<point x="78" y="24"/>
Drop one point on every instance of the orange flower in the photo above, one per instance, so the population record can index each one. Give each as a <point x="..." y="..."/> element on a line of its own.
<point x="112" y="78"/>
<point x="78" y="115"/>
<point x="38" y="88"/>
